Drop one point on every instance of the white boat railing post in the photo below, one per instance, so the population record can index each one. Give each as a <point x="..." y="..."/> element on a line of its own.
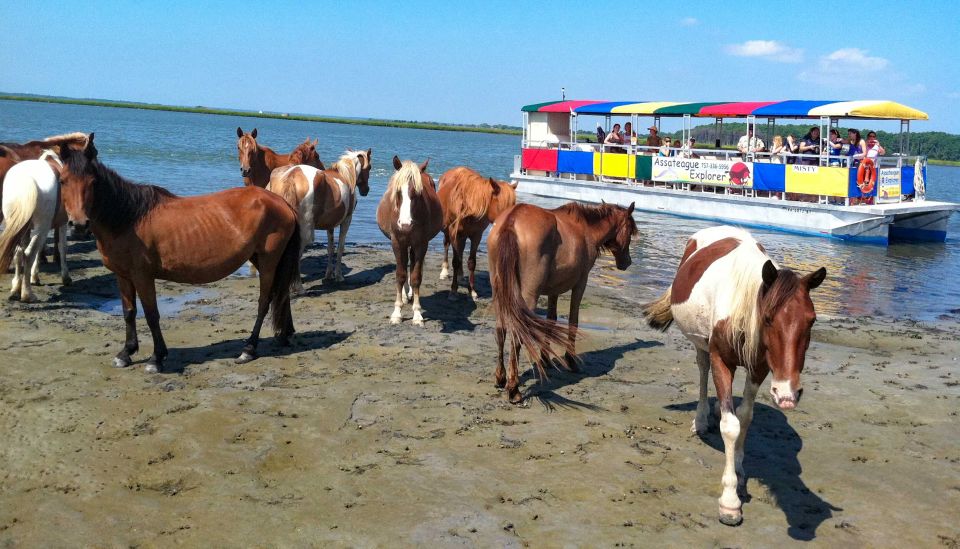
<point x="824" y="135"/>
<point x="751" y="130"/>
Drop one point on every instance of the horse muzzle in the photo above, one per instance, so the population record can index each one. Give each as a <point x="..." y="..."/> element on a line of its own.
<point x="79" y="228"/>
<point x="784" y="396"/>
<point x="244" y="172"/>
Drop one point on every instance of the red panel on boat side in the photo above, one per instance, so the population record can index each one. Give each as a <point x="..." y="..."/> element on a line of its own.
<point x="539" y="159"/>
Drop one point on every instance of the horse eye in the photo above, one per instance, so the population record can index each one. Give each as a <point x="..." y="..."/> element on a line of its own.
<point x="768" y="320"/>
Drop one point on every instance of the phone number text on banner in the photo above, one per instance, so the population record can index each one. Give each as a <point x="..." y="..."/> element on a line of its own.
<point x="704" y="172"/>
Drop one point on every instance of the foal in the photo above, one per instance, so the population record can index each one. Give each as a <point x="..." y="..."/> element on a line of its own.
<point x="325" y="199"/>
<point x="738" y="309"/>
<point x="142" y="237"/>
<point x="536" y="252"/>
<point x="470" y="204"/>
<point x="409" y="215"/>
<point x="258" y="162"/>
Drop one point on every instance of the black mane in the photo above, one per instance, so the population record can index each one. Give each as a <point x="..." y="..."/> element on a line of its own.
<point x="589" y="214"/>
<point x="118" y="204"/>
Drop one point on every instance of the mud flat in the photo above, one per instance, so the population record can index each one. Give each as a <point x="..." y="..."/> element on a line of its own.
<point x="367" y="434"/>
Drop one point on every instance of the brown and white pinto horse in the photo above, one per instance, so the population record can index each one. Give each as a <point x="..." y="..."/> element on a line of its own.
<point x="738" y="309"/>
<point x="258" y="162"/>
<point x="409" y="215"/>
<point x="142" y="237"/>
<point x="536" y="252"/>
<point x="470" y="204"/>
<point x="325" y="199"/>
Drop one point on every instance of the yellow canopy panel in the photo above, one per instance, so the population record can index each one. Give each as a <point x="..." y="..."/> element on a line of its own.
<point x="869" y="109"/>
<point x="649" y="107"/>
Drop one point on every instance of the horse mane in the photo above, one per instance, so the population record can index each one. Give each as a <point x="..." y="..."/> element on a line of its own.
<point x="588" y="213"/>
<point x="74" y="137"/>
<point x="347" y="168"/>
<point x="299" y="154"/>
<point x="408" y="174"/>
<point x="118" y="204"/>
<point x="746" y="314"/>
<point x="51" y="154"/>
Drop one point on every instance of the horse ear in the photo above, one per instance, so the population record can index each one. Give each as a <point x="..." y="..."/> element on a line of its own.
<point x="496" y="187"/>
<point x="514" y="185"/>
<point x="369" y="155"/>
<point x="769" y="273"/>
<point x="253" y="134"/>
<point x="815" y="278"/>
<point x="630" y="209"/>
<point x="396" y="163"/>
<point x="239" y="131"/>
<point x="89" y="150"/>
<point x="423" y="167"/>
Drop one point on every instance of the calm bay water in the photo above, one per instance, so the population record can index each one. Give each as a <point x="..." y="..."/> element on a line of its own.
<point x="195" y="153"/>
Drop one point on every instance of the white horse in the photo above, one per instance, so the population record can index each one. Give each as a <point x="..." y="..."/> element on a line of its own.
<point x="738" y="309"/>
<point x="31" y="200"/>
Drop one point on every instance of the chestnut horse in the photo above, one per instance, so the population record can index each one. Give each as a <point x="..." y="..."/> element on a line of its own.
<point x="470" y="204"/>
<point x="325" y="199"/>
<point x="258" y="162"/>
<point x="738" y="309"/>
<point x="534" y="252"/>
<point x="142" y="236"/>
<point x="409" y="215"/>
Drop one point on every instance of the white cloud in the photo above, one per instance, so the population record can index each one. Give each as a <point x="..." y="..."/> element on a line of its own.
<point x="770" y="50"/>
<point x="689" y="22"/>
<point x="847" y="67"/>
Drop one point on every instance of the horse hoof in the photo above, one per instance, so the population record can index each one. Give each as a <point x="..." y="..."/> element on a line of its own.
<point x="515" y="397"/>
<point x="245" y="357"/>
<point x="474" y="296"/>
<point x="121" y="363"/>
<point x="66" y="281"/>
<point x="500" y="383"/>
<point x="418" y="322"/>
<point x="151" y="368"/>
<point x="28" y="299"/>
<point x="730" y="518"/>
<point x="395" y="319"/>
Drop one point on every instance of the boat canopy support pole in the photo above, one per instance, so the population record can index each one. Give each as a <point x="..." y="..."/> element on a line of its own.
<point x="751" y="127"/>
<point x="526" y="120"/>
<point x="824" y="133"/>
<point x="687" y="129"/>
<point x="573" y="128"/>
<point x="718" y="131"/>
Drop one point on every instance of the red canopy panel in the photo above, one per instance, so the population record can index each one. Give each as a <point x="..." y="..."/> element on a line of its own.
<point x="735" y="109"/>
<point x="567" y="106"/>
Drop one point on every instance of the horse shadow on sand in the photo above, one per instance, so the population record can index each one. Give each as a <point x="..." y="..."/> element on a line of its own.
<point x="181" y="357"/>
<point x="314" y="267"/>
<point x="593" y="364"/>
<point x="771" y="456"/>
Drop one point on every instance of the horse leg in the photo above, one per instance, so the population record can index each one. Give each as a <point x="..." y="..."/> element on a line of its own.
<point x="329" y="274"/>
<point x="444" y="273"/>
<point x="745" y="416"/>
<point x="18" y="269"/>
<point x="513" y="376"/>
<point x="342" y="240"/>
<point x="701" y="423"/>
<point x="730" y="505"/>
<point x="500" y="376"/>
<point x="128" y="298"/>
<point x="402" y="253"/>
<point x="576" y="296"/>
<point x="61" y="234"/>
<point x="551" y="315"/>
<point x="263" y="305"/>
<point x="407" y="294"/>
<point x="458" y="245"/>
<point x="31" y="266"/>
<point x="148" y="298"/>
<point x="416" y="276"/>
<point x="472" y="265"/>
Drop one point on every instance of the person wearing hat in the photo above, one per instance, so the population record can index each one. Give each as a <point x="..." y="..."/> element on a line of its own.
<point x="654" y="138"/>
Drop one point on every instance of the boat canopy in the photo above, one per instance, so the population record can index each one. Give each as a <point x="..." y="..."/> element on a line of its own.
<point x="867" y="109"/>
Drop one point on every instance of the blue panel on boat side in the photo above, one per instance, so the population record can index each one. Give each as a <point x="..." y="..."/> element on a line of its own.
<point x="907" y="174"/>
<point x="769" y="177"/>
<point x="575" y="162"/>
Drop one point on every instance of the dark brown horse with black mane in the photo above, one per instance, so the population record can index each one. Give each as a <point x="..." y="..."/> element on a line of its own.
<point x="257" y="162"/>
<point x="534" y="252"/>
<point x="142" y="237"/>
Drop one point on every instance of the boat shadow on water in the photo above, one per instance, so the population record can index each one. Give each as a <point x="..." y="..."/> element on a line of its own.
<point x="771" y="456"/>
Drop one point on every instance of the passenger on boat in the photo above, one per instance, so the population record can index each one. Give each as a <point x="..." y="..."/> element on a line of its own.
<point x="873" y="135"/>
<point x="810" y="144"/>
<point x="665" y="147"/>
<point x="629" y="136"/>
<point x="653" y="140"/>
<point x="792" y="148"/>
<point x="857" y="148"/>
<point x="749" y="143"/>
<point x="836" y="146"/>
<point x="614" y="137"/>
<point x="687" y="150"/>
<point x="778" y="152"/>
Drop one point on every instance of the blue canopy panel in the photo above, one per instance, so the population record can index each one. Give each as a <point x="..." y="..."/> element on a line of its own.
<point x="602" y="108"/>
<point x="790" y="108"/>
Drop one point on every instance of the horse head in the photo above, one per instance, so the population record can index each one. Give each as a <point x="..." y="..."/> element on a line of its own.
<point x="788" y="315"/>
<point x="77" y="176"/>
<point x="306" y="153"/>
<point x="624" y="228"/>
<point x="503" y="198"/>
<point x="246" y="150"/>
<point x="363" y="175"/>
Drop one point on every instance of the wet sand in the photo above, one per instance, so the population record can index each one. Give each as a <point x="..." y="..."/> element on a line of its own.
<point x="367" y="434"/>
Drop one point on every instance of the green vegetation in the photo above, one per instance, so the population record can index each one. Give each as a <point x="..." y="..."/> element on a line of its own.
<point x="481" y="128"/>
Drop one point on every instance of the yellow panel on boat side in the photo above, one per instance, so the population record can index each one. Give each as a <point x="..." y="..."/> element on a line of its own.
<point x="615" y="165"/>
<point x="818" y="180"/>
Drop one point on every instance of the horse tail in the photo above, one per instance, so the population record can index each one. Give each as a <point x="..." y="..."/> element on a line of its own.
<point x="23" y="203"/>
<point x="287" y="270"/>
<point x="537" y="335"/>
<point x="659" y="314"/>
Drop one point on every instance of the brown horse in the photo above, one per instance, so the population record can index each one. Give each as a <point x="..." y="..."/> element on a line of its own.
<point x="409" y="215"/>
<point x="470" y="204"/>
<point x="142" y="236"/>
<point x="258" y="162"/>
<point x="536" y="252"/>
<point x="325" y="199"/>
<point x="738" y="309"/>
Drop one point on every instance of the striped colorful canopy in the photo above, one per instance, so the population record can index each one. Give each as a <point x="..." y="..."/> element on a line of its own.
<point x="872" y="109"/>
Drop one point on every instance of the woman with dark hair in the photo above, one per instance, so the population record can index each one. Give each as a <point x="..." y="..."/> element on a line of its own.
<point x="857" y="147"/>
<point x="835" y="146"/>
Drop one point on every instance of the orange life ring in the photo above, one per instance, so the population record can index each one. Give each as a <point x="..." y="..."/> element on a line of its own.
<point x="866" y="175"/>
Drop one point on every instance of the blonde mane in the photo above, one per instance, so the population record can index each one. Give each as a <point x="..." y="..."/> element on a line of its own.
<point x="348" y="166"/>
<point x="49" y="153"/>
<point x="408" y="174"/>
<point x="745" y="319"/>
<point x="75" y="136"/>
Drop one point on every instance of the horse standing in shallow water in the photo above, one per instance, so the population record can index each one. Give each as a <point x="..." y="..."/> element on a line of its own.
<point x="409" y="215"/>
<point x="325" y="199"/>
<point x="738" y="309"/>
<point x="32" y="201"/>
<point x="257" y="162"/>
<point x="142" y="237"/>
<point x="470" y="204"/>
<point x="536" y="252"/>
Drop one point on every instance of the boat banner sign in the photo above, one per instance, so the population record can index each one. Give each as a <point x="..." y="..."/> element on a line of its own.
<point x="888" y="185"/>
<point x="675" y="169"/>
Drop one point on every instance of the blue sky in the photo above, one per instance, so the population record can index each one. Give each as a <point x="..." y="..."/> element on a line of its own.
<point x="480" y="62"/>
